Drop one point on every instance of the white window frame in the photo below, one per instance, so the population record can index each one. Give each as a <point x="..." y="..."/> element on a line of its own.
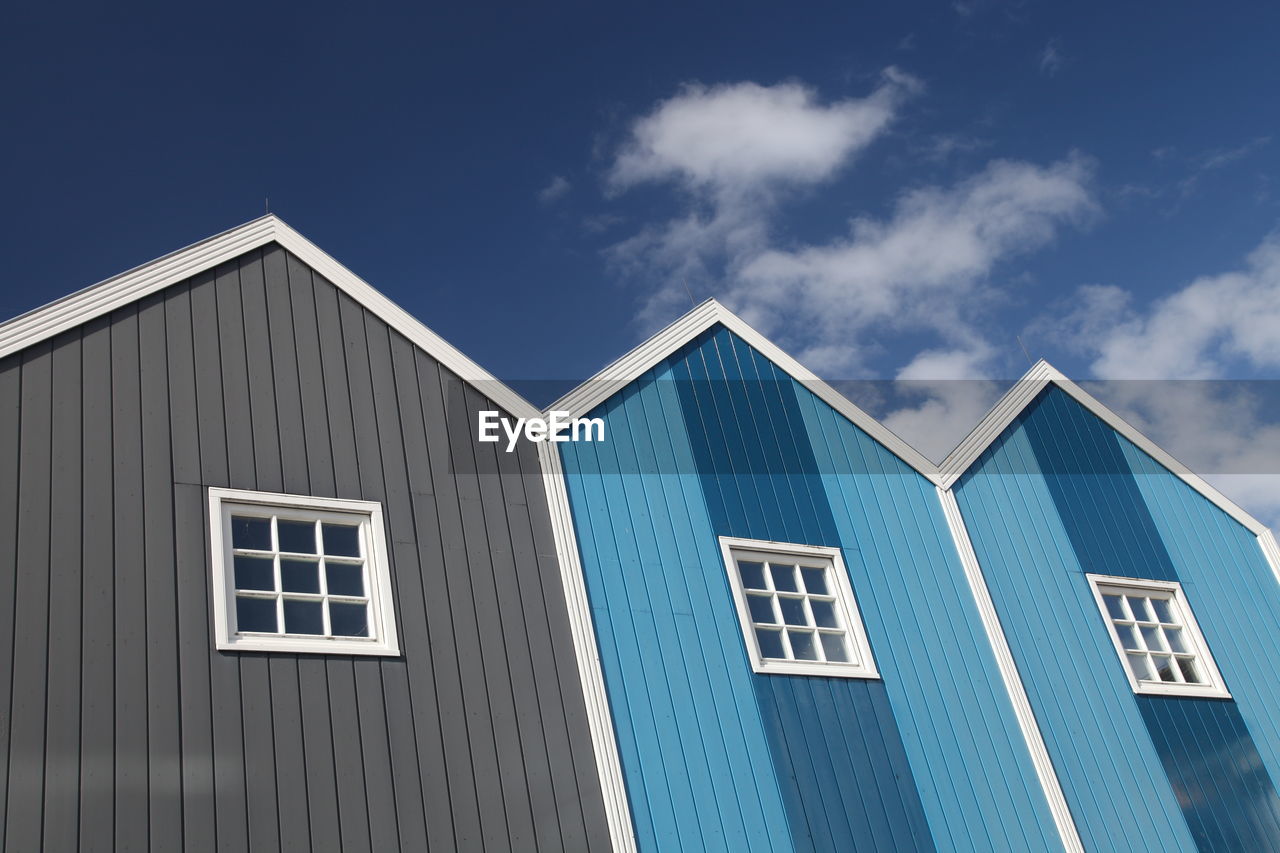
<point x="1172" y="590"/>
<point x="862" y="664"/>
<point x="383" y="639"/>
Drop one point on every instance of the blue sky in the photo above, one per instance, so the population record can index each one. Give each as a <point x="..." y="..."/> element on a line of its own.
<point x="888" y="190"/>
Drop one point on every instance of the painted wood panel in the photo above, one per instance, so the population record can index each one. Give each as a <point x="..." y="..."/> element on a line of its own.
<point x="123" y="727"/>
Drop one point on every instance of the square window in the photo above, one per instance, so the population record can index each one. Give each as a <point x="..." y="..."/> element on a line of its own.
<point x="300" y="574"/>
<point x="797" y="610"/>
<point x="1156" y="636"/>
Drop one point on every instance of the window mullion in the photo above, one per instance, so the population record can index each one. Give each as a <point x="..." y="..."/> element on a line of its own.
<point x="322" y="568"/>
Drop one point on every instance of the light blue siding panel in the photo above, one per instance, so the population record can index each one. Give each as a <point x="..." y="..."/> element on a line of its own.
<point x="690" y="739"/>
<point x="956" y="722"/>
<point x="1231" y="589"/>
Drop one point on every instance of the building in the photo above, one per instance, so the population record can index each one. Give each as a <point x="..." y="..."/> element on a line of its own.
<point x="264" y="588"/>
<point x="430" y="696"/>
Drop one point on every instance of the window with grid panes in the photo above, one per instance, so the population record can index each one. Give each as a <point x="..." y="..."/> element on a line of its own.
<point x="297" y="573"/>
<point x="797" y="609"/>
<point x="1156" y="636"/>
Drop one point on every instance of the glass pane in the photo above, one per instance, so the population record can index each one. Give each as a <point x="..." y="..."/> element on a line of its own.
<point x="1190" y="671"/>
<point x="344" y="578"/>
<point x="815" y="580"/>
<point x="254" y="533"/>
<point x="303" y="617"/>
<point x="255" y="614"/>
<point x="793" y="611"/>
<point x="1151" y="636"/>
<point x="834" y="647"/>
<point x="802" y="645"/>
<point x="824" y="614"/>
<point x="1128" y="636"/>
<point x="1140" y="611"/>
<point x="1163" y="611"/>
<point x="1177" y="641"/>
<point x="1164" y="667"/>
<point x="784" y="577"/>
<point x="752" y="574"/>
<point x="348" y="620"/>
<point x="770" y="643"/>
<point x="297" y="536"/>
<point x="1114" y="607"/>
<point x="341" y="540"/>
<point x="1141" y="668"/>
<point x="299" y="575"/>
<point x="761" y="607"/>
<point x="255" y="573"/>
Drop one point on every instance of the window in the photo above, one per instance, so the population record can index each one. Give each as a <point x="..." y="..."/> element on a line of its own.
<point x="1156" y="637"/>
<point x="797" y="610"/>
<point x="300" y="574"/>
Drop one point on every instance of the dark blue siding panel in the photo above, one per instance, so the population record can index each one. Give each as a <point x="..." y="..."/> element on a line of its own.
<point x="1226" y="793"/>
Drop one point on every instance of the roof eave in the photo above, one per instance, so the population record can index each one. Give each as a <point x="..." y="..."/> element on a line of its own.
<point x="130" y="286"/>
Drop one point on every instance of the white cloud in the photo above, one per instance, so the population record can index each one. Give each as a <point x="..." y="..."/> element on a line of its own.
<point x="946" y="412"/>
<point x="924" y="268"/>
<point x="556" y="189"/>
<point x="1210" y="328"/>
<point x="731" y="140"/>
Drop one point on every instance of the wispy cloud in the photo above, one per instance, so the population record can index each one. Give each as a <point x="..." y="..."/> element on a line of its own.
<point x="735" y="140"/>
<point x="1051" y="58"/>
<point x="557" y="188"/>
<point x="923" y="268"/>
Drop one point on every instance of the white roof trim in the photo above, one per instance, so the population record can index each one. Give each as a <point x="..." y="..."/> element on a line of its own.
<point x="128" y="287"/>
<point x="1020" y="396"/>
<point x="1008" y="667"/>
<point x="608" y="381"/>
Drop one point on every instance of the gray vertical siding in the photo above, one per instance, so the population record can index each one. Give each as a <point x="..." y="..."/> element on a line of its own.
<point x="123" y="728"/>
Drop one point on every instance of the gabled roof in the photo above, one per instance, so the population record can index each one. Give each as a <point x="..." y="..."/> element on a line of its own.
<point x="127" y="287"/>
<point x="1021" y="395"/>
<point x="618" y="374"/>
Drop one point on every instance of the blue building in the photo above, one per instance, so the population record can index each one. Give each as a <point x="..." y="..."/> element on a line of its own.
<point x="811" y="638"/>
<point x="1143" y="613"/>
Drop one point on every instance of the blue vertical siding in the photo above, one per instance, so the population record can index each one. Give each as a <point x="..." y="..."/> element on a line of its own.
<point x="838" y="738"/>
<point x="718" y="441"/>
<point x="939" y="672"/>
<point x="693" y="747"/>
<point x="1061" y="494"/>
<point x="1236" y="600"/>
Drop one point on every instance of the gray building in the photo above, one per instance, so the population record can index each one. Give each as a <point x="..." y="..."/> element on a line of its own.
<point x="260" y="586"/>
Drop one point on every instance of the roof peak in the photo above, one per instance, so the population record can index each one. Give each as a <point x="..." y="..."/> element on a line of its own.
<point x="163" y="272"/>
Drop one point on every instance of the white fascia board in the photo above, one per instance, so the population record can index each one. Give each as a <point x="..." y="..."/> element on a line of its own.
<point x="1005" y="663"/>
<point x="1026" y="389"/>
<point x="587" y="654"/>
<point x="618" y="374"/>
<point x="130" y="286"/>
